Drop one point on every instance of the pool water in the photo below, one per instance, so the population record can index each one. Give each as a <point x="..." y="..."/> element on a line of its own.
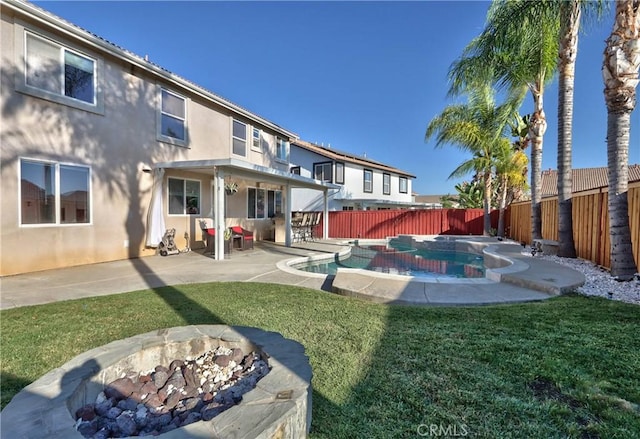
<point x="398" y="258"/>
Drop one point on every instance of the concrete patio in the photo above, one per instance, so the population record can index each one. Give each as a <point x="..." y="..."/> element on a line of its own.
<point x="535" y="280"/>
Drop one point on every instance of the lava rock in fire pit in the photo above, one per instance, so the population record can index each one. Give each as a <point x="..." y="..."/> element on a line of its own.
<point x="187" y="391"/>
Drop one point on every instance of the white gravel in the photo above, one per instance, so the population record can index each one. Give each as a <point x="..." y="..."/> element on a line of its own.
<point x="599" y="281"/>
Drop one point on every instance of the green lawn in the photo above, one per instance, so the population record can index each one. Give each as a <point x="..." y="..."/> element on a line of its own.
<point x="567" y="367"/>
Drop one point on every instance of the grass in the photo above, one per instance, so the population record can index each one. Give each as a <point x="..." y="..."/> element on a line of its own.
<point x="567" y="367"/>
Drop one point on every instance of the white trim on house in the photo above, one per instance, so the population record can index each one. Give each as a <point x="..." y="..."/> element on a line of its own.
<point x="72" y="31"/>
<point x="250" y="170"/>
<point x="317" y="161"/>
<point x="21" y="30"/>
<point x="220" y="168"/>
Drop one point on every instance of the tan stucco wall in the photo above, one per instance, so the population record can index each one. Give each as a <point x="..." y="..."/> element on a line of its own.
<point x="117" y="145"/>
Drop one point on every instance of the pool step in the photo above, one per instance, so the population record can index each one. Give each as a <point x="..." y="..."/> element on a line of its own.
<point x="546" y="276"/>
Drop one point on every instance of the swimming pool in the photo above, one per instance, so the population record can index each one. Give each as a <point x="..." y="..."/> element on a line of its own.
<point x="398" y="257"/>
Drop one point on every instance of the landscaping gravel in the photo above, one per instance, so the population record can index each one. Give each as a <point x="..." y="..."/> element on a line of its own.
<point x="599" y="281"/>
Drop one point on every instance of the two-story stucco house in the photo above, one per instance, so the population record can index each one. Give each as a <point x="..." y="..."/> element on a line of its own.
<point x="362" y="183"/>
<point x="102" y="151"/>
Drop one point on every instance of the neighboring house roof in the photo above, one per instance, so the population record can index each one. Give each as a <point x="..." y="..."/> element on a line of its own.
<point x="429" y="198"/>
<point x="104" y="45"/>
<point x="584" y="179"/>
<point x="342" y="156"/>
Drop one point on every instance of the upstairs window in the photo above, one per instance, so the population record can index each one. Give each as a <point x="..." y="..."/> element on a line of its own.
<point x="282" y="150"/>
<point x="54" y="193"/>
<point x="403" y="185"/>
<point x="323" y="171"/>
<point x="386" y="184"/>
<point x="173" y="116"/>
<point x="239" y="146"/>
<point x="367" y="181"/>
<point x="59" y="71"/>
<point x="256" y="140"/>
<point x="295" y="170"/>
<point x="339" y="172"/>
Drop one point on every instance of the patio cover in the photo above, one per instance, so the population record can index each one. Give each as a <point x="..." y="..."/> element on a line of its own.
<point x="219" y="168"/>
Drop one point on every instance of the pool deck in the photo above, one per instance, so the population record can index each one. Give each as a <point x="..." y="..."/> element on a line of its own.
<point x="523" y="279"/>
<point x="534" y="279"/>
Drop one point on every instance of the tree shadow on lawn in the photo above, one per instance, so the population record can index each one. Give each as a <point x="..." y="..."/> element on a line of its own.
<point x="11" y="382"/>
<point x="422" y="371"/>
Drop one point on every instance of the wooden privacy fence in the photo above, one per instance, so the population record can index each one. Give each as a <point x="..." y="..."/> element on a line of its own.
<point x="590" y="223"/>
<point x="376" y="224"/>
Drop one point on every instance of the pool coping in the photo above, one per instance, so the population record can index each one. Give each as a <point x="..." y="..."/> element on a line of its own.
<point x="510" y="276"/>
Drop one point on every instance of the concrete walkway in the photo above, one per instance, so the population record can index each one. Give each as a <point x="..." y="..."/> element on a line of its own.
<point x="261" y="265"/>
<point x="257" y="265"/>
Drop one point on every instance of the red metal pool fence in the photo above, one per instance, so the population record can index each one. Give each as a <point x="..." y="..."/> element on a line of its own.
<point x="376" y="224"/>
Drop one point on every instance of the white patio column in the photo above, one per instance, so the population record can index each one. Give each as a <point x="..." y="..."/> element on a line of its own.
<point x="325" y="214"/>
<point x="218" y="210"/>
<point x="287" y="216"/>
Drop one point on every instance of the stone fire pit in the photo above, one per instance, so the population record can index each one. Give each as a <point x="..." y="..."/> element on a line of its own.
<point x="278" y="407"/>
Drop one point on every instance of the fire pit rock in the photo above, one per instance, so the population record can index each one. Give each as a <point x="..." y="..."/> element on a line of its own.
<point x="278" y="407"/>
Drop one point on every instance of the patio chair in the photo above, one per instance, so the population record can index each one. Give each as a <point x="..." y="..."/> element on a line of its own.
<point x="245" y="235"/>
<point x="314" y="224"/>
<point x="208" y="233"/>
<point x="304" y="226"/>
<point x="296" y="227"/>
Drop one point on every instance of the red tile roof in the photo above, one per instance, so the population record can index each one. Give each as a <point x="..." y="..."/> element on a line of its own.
<point x="584" y="179"/>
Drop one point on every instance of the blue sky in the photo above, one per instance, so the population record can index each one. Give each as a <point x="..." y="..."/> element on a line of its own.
<point x="365" y="77"/>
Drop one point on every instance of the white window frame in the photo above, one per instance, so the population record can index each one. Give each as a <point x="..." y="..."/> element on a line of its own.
<point x="184" y="197"/>
<point x="282" y="150"/>
<point x="364" y="181"/>
<point x="386" y="184"/>
<point x="339" y="173"/>
<point x="326" y="169"/>
<point x="234" y="138"/>
<point x="57" y="195"/>
<point x="274" y="206"/>
<point x="164" y="137"/>
<point x="265" y="192"/>
<point x="404" y="180"/>
<point x="21" y="33"/>
<point x="259" y="140"/>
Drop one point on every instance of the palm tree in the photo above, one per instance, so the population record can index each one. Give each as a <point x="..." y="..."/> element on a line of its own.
<point x="475" y="127"/>
<point x="518" y="48"/>
<point x="570" y="13"/>
<point x="620" y="73"/>
<point x="520" y="130"/>
<point x="511" y="164"/>
<point x="470" y="194"/>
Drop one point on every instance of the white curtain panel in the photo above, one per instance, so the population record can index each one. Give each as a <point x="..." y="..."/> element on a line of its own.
<point x="155" y="217"/>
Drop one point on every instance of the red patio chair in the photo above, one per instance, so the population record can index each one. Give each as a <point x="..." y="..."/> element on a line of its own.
<point x="209" y="234"/>
<point x="247" y="236"/>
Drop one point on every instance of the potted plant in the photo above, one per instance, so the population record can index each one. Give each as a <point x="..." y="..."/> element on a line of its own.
<point x="227" y="240"/>
<point x="231" y="188"/>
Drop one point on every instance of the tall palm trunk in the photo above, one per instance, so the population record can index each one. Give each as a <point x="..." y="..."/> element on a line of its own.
<point x="570" y="23"/>
<point x="537" y="128"/>
<point x="503" y="204"/>
<point x="487" y="203"/>
<point x="620" y="74"/>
